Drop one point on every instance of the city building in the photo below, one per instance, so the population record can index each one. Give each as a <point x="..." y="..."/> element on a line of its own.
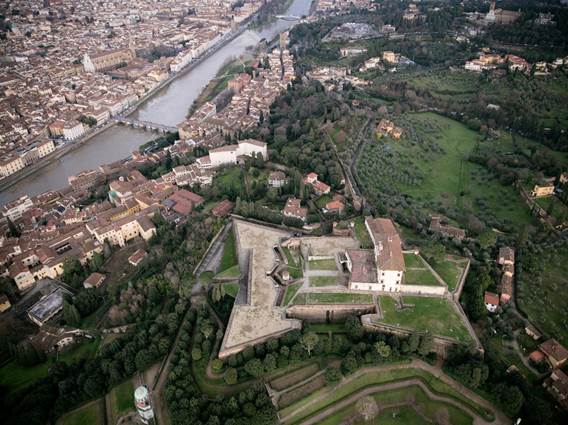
<point x="106" y="60"/>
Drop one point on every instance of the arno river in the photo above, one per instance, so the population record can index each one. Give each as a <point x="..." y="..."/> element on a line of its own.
<point x="169" y="106"/>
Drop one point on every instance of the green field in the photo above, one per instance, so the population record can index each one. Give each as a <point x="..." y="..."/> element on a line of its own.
<point x="430" y="165"/>
<point x="90" y="414"/>
<point x="427" y="314"/>
<point x="15" y="377"/>
<point x="541" y="291"/>
<point x="290" y="292"/>
<point x="417" y="273"/>
<point x="324" y="280"/>
<point x="231" y="273"/>
<point x="331" y="395"/>
<point x="554" y="207"/>
<point x="231" y="289"/>
<point x="546" y="98"/>
<point x="450" y="269"/>
<point x="123" y="398"/>
<point x="229" y="258"/>
<point x="327" y="298"/>
<point x="362" y="234"/>
<point x="323" y="265"/>
<point x="403" y="413"/>
<point x="294" y="267"/>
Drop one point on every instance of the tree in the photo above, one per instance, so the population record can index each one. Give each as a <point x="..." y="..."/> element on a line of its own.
<point x="254" y="368"/>
<point x="231" y="376"/>
<point x="383" y="349"/>
<point x="426" y="345"/>
<point x="269" y="363"/>
<point x="71" y="314"/>
<point x="354" y="327"/>
<point x="309" y="342"/>
<point x="217" y="292"/>
<point x="367" y="408"/>
<point x="196" y="354"/>
<point x="332" y="375"/>
<point x="207" y="329"/>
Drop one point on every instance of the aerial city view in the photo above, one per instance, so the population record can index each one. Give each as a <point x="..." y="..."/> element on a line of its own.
<point x="297" y="212"/>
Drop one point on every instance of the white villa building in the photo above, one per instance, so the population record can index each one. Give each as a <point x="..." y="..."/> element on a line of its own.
<point x="383" y="268"/>
<point x="230" y="154"/>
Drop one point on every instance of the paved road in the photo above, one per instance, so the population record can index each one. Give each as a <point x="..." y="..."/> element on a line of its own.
<point x="500" y="418"/>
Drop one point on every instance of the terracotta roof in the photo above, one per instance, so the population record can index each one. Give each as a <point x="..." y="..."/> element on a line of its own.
<point x="554" y="349"/>
<point x="294" y="209"/>
<point x="137" y="257"/>
<point x="388" y="245"/>
<point x="491" y="298"/>
<point x="363" y="268"/>
<point x="222" y="208"/>
<point x="94" y="280"/>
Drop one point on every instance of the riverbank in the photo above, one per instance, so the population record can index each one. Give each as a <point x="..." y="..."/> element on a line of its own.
<point x="28" y="171"/>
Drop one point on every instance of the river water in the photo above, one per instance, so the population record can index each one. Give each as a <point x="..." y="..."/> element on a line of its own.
<point x="169" y="107"/>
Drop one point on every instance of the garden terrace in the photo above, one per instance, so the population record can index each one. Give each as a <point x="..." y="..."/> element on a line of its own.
<point x="439" y="316"/>
<point x="417" y="271"/>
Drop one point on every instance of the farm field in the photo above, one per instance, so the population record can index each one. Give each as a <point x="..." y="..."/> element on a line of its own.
<point x="540" y="294"/>
<point x="436" y="315"/>
<point x="409" y="406"/>
<point x="429" y="165"/>
<point x="90" y="414"/>
<point x="329" y="298"/>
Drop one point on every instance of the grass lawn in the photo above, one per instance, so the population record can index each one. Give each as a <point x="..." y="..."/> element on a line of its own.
<point x="231" y="273"/>
<point x="331" y="395"/>
<point x="450" y="269"/>
<point x="435" y="315"/>
<point x="123" y="398"/>
<point x="323" y="265"/>
<point x="404" y="414"/>
<point x="417" y="272"/>
<point x="90" y="414"/>
<point x="324" y="281"/>
<point x="294" y="267"/>
<point x="430" y="165"/>
<point x="554" y="207"/>
<point x="229" y="258"/>
<point x="15" y="377"/>
<point x="327" y="327"/>
<point x="323" y="298"/>
<point x="290" y="292"/>
<point x="362" y="234"/>
<point x="231" y="289"/>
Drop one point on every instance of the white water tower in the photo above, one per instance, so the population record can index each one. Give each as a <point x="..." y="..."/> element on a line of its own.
<point x="143" y="405"/>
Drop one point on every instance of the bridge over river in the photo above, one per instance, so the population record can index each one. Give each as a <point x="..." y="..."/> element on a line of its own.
<point x="145" y="125"/>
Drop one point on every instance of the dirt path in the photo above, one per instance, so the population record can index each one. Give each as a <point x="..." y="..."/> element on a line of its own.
<point x="478" y="420"/>
<point x="500" y="418"/>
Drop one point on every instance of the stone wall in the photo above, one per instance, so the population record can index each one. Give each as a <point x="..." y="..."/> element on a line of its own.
<point x="328" y="312"/>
